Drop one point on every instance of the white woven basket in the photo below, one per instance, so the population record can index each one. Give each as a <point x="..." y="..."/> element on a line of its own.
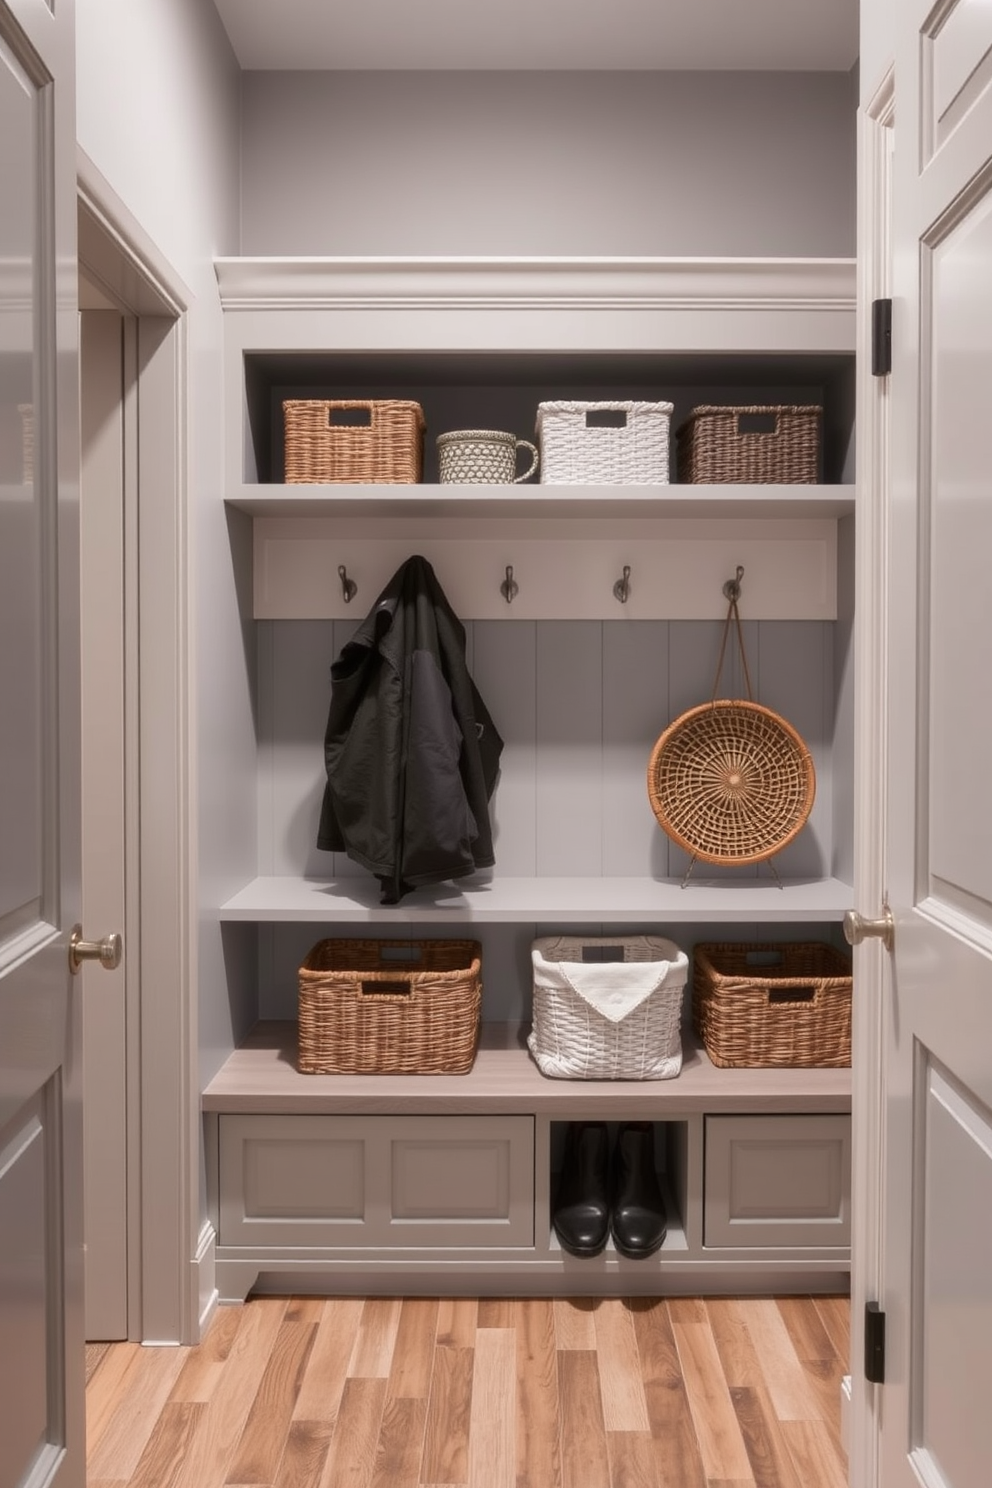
<point x="607" y="1008"/>
<point x="579" y="448"/>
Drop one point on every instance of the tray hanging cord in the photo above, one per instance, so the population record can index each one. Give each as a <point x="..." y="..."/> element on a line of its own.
<point x="732" y="593"/>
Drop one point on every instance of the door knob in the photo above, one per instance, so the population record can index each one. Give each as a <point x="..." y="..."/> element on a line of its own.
<point x="857" y="928"/>
<point x="107" y="951"/>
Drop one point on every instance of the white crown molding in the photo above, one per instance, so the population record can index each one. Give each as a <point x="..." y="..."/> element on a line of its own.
<point x="720" y="284"/>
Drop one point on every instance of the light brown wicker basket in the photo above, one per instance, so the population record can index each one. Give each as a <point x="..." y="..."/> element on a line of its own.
<point x="764" y="444"/>
<point x="390" y="1007"/>
<point x="357" y="440"/>
<point x="730" y="781"/>
<point x="759" y="1005"/>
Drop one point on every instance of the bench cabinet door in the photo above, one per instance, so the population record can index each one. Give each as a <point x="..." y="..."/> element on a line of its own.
<point x="377" y="1181"/>
<point x="778" y="1181"/>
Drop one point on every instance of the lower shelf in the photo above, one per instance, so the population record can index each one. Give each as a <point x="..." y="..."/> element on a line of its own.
<point x="367" y="1185"/>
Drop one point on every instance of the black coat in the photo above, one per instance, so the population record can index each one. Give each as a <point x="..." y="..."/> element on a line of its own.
<point x="411" y="752"/>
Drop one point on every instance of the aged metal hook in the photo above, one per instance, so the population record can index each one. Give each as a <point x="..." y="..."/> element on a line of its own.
<point x="509" y="587"/>
<point x="621" y="589"/>
<point x="732" y="588"/>
<point x="348" y="586"/>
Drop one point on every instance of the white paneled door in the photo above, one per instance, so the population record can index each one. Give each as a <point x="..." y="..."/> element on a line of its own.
<point x="936" y="1426"/>
<point x="41" y="1340"/>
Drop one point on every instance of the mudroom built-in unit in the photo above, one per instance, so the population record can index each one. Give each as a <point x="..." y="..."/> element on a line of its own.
<point x="594" y="615"/>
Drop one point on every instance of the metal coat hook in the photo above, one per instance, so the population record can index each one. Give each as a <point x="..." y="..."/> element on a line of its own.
<point x="621" y="589"/>
<point x="732" y="588"/>
<point x="348" y="586"/>
<point x="509" y="587"/>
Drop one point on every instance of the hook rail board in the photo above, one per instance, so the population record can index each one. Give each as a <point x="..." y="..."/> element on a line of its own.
<point x="305" y="568"/>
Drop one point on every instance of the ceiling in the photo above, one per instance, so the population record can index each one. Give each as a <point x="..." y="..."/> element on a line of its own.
<point x="607" y="35"/>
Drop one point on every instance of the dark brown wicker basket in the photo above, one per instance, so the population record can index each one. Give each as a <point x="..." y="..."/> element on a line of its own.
<point x="763" y="445"/>
<point x="356" y="441"/>
<point x="760" y="1005"/>
<point x="387" y="1007"/>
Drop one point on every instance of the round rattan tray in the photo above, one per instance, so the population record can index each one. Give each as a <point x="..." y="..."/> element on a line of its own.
<point x="731" y="782"/>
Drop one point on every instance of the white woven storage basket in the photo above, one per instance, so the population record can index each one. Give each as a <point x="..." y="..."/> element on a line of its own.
<point x="607" y="1008"/>
<point x="620" y="443"/>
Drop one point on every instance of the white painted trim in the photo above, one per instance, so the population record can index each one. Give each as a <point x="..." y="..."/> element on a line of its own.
<point x="164" y="1120"/>
<point x="711" y="284"/>
<point x="205" y="1270"/>
<point x="871" y="969"/>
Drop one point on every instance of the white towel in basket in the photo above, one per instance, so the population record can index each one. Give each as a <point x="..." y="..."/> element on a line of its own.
<point x="617" y="1019"/>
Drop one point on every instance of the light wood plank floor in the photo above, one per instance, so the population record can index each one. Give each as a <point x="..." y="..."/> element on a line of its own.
<point x="420" y="1393"/>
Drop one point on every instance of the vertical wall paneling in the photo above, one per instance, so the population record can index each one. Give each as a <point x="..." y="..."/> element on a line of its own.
<point x="795" y="678"/>
<point x="569" y="748"/>
<point x="505" y="672"/>
<point x="635" y="708"/>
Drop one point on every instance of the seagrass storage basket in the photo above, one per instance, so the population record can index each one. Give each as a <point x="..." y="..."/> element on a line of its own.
<point x="760" y="1005"/>
<point x="619" y="443"/>
<point x="387" y="1007"/>
<point x="760" y="444"/>
<point x="607" y="1008"/>
<point x="357" y="441"/>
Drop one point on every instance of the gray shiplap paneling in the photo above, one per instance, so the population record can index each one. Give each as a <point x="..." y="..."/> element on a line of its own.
<point x="569" y="767"/>
<point x="635" y="704"/>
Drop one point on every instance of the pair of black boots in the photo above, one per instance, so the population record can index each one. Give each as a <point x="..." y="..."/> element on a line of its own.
<point x="596" y="1196"/>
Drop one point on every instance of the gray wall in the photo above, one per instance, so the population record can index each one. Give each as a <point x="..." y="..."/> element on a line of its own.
<point x="749" y="164"/>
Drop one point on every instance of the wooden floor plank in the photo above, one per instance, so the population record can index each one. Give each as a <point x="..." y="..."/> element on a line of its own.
<point x="215" y="1441"/>
<point x="168" y="1444"/>
<point x="457" y="1322"/>
<point x="575" y="1322"/>
<point x="448" y="1416"/>
<point x="835" y="1314"/>
<point x="738" y="1357"/>
<point x="538" y="1453"/>
<point x="721" y="1445"/>
<point x="632" y="1459"/>
<point x="495" y="1312"/>
<point x="105" y="1392"/>
<point x="817" y="1457"/>
<point x="372" y="1356"/>
<point x="145" y="1390"/>
<point x="624" y="1406"/>
<point x="95" y="1354"/>
<point x="791" y="1391"/>
<point x="327" y="1367"/>
<point x="492" y="1455"/>
<point x="413" y="1353"/>
<point x="263" y="1439"/>
<point x="804" y="1325"/>
<point x="350" y="1461"/>
<point x="204" y="1366"/>
<point x="306" y="1451"/>
<point x="400" y="1448"/>
<point x="771" y="1464"/>
<point x="677" y="1459"/>
<point x="584" y="1454"/>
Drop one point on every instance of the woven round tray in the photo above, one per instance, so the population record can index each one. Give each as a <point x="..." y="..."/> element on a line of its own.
<point x="731" y="782"/>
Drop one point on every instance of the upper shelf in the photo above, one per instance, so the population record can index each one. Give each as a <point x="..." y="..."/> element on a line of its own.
<point x="563" y="901"/>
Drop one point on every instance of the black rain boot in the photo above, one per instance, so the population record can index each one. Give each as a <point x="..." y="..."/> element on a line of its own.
<point x="581" y="1216"/>
<point x="639" y="1220"/>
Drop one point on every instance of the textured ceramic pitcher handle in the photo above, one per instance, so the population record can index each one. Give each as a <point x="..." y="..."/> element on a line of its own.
<point x="526" y="444"/>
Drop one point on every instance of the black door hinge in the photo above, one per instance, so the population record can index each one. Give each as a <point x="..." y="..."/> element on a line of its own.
<point x="881" y="337"/>
<point x="874" y="1344"/>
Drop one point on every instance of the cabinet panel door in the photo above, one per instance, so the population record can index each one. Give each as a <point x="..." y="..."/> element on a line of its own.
<point x="348" y="1181"/>
<point x="777" y="1181"/>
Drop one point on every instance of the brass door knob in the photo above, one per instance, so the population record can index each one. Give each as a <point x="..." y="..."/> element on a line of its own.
<point x="857" y="928"/>
<point x="107" y="951"/>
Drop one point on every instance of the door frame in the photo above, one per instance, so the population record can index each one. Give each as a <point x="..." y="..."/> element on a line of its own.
<point x="871" y="961"/>
<point x="167" y="1247"/>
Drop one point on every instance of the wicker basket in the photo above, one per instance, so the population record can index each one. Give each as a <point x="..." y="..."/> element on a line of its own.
<point x="621" y="443"/>
<point x="356" y="440"/>
<point x="731" y="782"/>
<point x="386" y="1007"/>
<point x="764" y="445"/>
<point x="759" y="1005"/>
<point x="607" y="1008"/>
